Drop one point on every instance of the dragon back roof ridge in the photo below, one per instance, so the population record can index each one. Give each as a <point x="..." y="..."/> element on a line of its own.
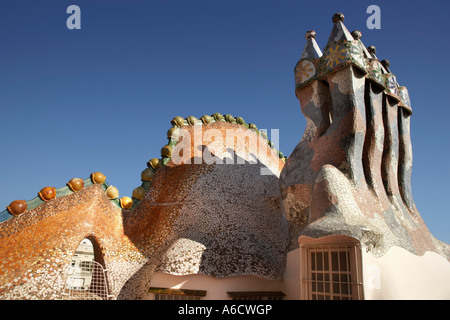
<point x="348" y="177"/>
<point x="48" y="193"/>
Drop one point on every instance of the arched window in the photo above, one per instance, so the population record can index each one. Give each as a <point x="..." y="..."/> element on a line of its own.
<point x="87" y="278"/>
<point x="331" y="268"/>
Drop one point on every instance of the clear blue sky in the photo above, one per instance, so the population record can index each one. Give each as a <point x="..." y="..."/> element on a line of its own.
<point x="101" y="98"/>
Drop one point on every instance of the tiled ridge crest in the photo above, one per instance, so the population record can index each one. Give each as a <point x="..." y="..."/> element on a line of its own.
<point x="48" y="193"/>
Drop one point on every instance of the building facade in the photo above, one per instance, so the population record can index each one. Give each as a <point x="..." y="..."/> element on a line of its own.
<point x="223" y="215"/>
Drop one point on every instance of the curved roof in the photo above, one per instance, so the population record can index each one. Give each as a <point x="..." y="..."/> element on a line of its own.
<point x="18" y="207"/>
<point x="229" y="218"/>
<point x="220" y="203"/>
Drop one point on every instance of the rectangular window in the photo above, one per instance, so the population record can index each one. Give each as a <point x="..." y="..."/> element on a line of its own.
<point x="257" y="295"/>
<point x="331" y="272"/>
<point x="176" y="294"/>
<point x="160" y="296"/>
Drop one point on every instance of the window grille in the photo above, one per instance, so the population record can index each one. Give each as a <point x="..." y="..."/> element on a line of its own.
<point x="160" y="296"/>
<point x="257" y="295"/>
<point x="331" y="272"/>
<point x="87" y="281"/>
<point x="176" y="294"/>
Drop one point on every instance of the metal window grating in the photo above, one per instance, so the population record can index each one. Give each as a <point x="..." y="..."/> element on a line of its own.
<point x="160" y="296"/>
<point x="176" y="294"/>
<point x="256" y="295"/>
<point x="87" y="282"/>
<point x="332" y="272"/>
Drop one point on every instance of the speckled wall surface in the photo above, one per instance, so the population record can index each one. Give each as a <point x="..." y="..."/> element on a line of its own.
<point x="224" y="230"/>
<point x="193" y="218"/>
<point x="37" y="246"/>
<point x="208" y="206"/>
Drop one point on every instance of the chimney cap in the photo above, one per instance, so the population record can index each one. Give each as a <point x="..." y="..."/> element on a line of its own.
<point x="310" y="34"/>
<point x="338" y="17"/>
<point x="356" y="34"/>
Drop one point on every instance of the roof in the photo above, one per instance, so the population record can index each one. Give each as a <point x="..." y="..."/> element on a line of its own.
<point x="18" y="207"/>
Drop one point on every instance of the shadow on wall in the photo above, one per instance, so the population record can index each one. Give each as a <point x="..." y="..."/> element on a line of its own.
<point x="220" y="219"/>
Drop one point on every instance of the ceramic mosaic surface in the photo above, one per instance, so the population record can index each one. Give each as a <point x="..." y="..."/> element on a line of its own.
<point x="215" y="213"/>
<point x="351" y="172"/>
<point x="343" y="49"/>
<point x="183" y="219"/>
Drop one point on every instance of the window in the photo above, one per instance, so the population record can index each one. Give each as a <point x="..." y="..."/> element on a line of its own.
<point x="331" y="270"/>
<point x="86" y="278"/>
<point x="86" y="266"/>
<point x="257" y="295"/>
<point x="160" y="296"/>
<point x="176" y="294"/>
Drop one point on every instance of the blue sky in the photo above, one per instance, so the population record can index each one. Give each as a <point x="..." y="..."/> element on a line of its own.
<point x="101" y="98"/>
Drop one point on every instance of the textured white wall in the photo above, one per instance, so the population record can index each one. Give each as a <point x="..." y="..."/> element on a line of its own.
<point x="292" y="275"/>
<point x="401" y="275"/>
<point x="216" y="288"/>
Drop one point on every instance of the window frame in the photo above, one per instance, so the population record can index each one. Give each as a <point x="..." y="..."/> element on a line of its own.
<point x="327" y="282"/>
<point x="256" y="295"/>
<point x="176" y="294"/>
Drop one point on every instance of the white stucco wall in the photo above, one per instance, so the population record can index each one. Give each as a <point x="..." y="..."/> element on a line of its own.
<point x="398" y="275"/>
<point x="292" y="275"/>
<point x="401" y="275"/>
<point x="216" y="288"/>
